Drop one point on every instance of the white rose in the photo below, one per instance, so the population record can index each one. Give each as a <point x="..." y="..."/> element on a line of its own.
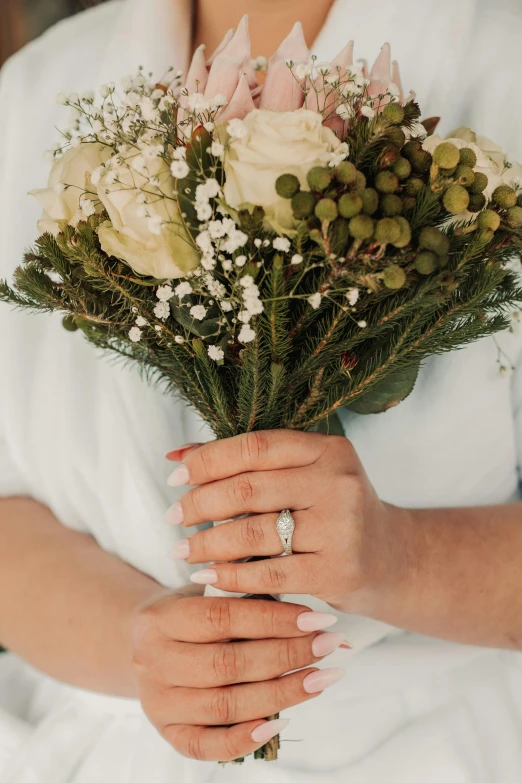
<point x="61" y="205"/>
<point x="275" y="143"/>
<point x="149" y="235"/>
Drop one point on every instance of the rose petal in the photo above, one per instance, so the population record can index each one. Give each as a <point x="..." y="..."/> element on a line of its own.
<point x="281" y="91"/>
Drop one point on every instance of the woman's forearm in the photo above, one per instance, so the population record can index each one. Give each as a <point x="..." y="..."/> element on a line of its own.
<point x="66" y="606"/>
<point x="461" y="576"/>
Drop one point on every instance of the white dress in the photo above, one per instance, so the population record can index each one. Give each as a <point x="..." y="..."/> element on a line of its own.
<point x="87" y="437"/>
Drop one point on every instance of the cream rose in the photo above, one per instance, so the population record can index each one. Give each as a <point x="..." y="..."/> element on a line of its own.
<point x="275" y="143"/>
<point x="69" y="180"/>
<point x="145" y="229"/>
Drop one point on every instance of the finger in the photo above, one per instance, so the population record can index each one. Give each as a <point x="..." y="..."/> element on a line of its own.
<point x="254" y="536"/>
<point x="293" y="575"/>
<point x="206" y="620"/>
<point x="223" y="743"/>
<point x="271" y="450"/>
<point x="235" y="704"/>
<point x="177" y="455"/>
<point x="250" y="493"/>
<point x="230" y="663"/>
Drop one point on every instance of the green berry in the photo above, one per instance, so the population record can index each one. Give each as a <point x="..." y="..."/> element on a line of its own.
<point x="477" y="201"/>
<point x="350" y="204"/>
<point x="386" y="182"/>
<point x="488" y="220"/>
<point x="287" y="185"/>
<point x="486" y="235"/>
<point x="426" y="262"/>
<point x="394" y="277"/>
<point x="396" y="136"/>
<point x="345" y="173"/>
<point x="405" y="237"/>
<point x="447" y="172"/>
<point x="410" y="149"/>
<point x="69" y="323"/>
<point x="514" y="217"/>
<point x="446" y="155"/>
<point x="466" y="174"/>
<point x="326" y="209"/>
<point x="421" y="161"/>
<point x="434" y="239"/>
<point x="393" y="113"/>
<point x="413" y="186"/>
<point x="387" y="231"/>
<point x="391" y="205"/>
<point x="319" y="178"/>
<point x="456" y="199"/>
<point x="504" y="196"/>
<point x="467" y="157"/>
<point x="303" y="204"/>
<point x="519" y="200"/>
<point x="370" y="200"/>
<point x="480" y="183"/>
<point x="409" y="203"/>
<point x="443" y="261"/>
<point x="361" y="227"/>
<point x="360" y="181"/>
<point x="402" y="168"/>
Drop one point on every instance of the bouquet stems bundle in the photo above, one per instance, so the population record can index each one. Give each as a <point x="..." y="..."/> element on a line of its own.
<point x="272" y="257"/>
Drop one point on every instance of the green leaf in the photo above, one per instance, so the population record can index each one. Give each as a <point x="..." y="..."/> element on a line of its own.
<point x="387" y="393"/>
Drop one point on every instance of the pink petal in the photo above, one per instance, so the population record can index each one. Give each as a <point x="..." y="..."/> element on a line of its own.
<point x="240" y="105"/>
<point x="224" y="43"/>
<point x="396" y="79"/>
<point x="226" y="69"/>
<point x="197" y="75"/>
<point x="344" y="58"/>
<point x="380" y="74"/>
<point x="281" y="91"/>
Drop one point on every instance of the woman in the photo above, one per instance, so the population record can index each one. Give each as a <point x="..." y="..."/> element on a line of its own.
<point x="89" y="595"/>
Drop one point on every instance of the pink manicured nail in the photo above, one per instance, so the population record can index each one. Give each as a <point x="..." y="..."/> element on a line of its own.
<point x="315" y="621"/>
<point x="269" y="729"/>
<point x="182" y="552"/>
<point x="179" y="477"/>
<point x="318" y="681"/>
<point x="208" y="576"/>
<point x="325" y="643"/>
<point x="174" y="515"/>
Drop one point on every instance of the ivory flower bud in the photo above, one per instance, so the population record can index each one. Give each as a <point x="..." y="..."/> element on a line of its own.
<point x="69" y="180"/>
<point x="146" y="229"/>
<point x="276" y="143"/>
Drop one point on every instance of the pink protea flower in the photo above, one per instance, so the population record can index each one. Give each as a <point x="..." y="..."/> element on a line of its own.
<point x="229" y="76"/>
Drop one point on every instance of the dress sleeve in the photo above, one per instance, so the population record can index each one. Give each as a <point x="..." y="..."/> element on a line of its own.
<point x="11" y="478"/>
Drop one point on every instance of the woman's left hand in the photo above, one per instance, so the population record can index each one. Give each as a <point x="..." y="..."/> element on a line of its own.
<point x="349" y="547"/>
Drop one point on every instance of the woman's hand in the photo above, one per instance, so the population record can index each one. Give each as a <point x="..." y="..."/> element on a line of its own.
<point x="208" y="695"/>
<point x="349" y="546"/>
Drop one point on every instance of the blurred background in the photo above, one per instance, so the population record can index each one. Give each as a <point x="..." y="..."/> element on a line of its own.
<point x="23" y="20"/>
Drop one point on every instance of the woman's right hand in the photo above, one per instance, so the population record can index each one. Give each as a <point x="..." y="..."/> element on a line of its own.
<point x="208" y="696"/>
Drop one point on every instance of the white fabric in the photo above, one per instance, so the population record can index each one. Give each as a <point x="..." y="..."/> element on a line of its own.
<point x="86" y="437"/>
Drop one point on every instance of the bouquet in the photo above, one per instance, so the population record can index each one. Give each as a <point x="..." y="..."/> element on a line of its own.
<point x="273" y="253"/>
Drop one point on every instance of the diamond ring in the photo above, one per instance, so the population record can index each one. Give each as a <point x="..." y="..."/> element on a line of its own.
<point x="285" y="527"/>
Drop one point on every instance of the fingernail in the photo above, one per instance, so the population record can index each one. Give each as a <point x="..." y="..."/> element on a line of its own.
<point x="315" y="621"/>
<point x="208" y="576"/>
<point x="269" y="729"/>
<point x="179" y="477"/>
<point x="318" y="681"/>
<point x="182" y="551"/>
<point x="174" y="515"/>
<point x="346" y="646"/>
<point x="325" y="643"/>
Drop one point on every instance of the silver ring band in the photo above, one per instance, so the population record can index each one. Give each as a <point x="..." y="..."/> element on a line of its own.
<point x="285" y="527"/>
